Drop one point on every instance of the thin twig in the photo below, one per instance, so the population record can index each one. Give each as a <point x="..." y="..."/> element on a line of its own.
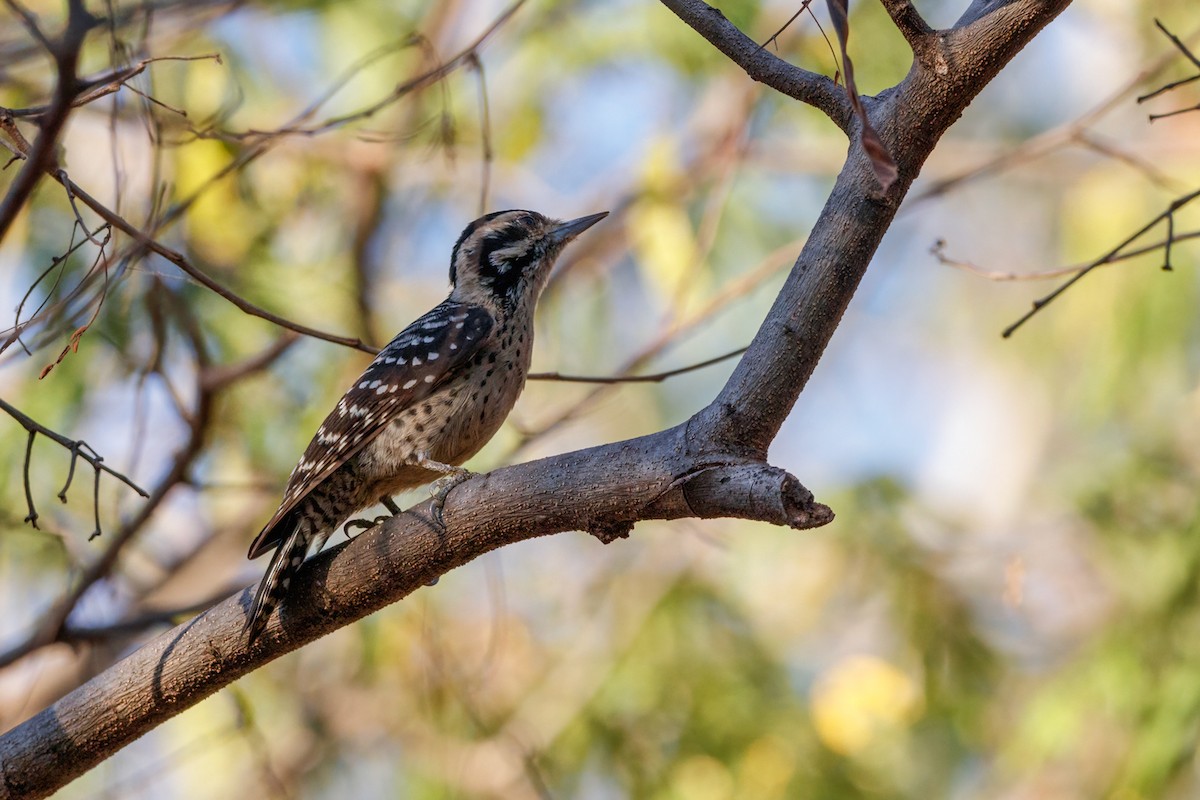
<point x="41" y="155"/>
<point x="774" y="37"/>
<point x="32" y="516"/>
<point x="939" y="252"/>
<point x="1190" y="56"/>
<point x="1050" y="141"/>
<point x="407" y="87"/>
<point x="97" y="86"/>
<point x="1177" y="112"/>
<point x="56" y="262"/>
<point x="762" y="65"/>
<point x="181" y="261"/>
<point x="1175" y="40"/>
<point x="1168" y="87"/>
<point x="74" y="446"/>
<point x="485" y="133"/>
<point x="1168" y="215"/>
<point x="657" y="377"/>
<point x="72" y="345"/>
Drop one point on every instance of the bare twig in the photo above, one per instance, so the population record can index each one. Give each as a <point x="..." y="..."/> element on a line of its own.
<point x="77" y="450"/>
<point x="421" y="81"/>
<point x="76" y="447"/>
<point x="93" y="88"/>
<point x="485" y="134"/>
<point x="32" y="516"/>
<point x="1190" y="56"/>
<point x="1179" y="45"/>
<point x="41" y="155"/>
<point x="201" y="277"/>
<point x="774" y="37"/>
<point x="939" y="252"/>
<point x="72" y="345"/>
<point x="59" y="263"/>
<point x="657" y="377"/>
<point x="762" y="65"/>
<point x="1050" y="141"/>
<point x="1168" y="215"/>
<point x="1177" y="112"/>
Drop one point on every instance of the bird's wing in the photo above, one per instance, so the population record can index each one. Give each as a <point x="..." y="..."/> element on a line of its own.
<point x="421" y="358"/>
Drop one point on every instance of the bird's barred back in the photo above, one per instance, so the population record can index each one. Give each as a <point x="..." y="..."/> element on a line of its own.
<point x="415" y="363"/>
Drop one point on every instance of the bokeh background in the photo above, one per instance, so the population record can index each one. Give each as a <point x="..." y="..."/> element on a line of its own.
<point x="1008" y="603"/>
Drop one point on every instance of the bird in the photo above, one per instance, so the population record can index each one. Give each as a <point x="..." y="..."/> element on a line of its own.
<point x="431" y="399"/>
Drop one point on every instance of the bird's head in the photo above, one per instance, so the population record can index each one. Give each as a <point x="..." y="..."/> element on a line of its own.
<point x="506" y="256"/>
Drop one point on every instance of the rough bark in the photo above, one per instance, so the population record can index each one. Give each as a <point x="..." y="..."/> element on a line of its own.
<point x="712" y="465"/>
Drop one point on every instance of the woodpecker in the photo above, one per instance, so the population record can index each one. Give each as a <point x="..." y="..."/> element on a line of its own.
<point x="430" y="400"/>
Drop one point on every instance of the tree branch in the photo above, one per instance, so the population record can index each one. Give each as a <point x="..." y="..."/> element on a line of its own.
<point x="657" y="377"/>
<point x="200" y="276"/>
<point x="910" y="23"/>
<point x="41" y="155"/>
<point x="910" y="119"/>
<point x="762" y="65"/>
<point x="604" y="489"/>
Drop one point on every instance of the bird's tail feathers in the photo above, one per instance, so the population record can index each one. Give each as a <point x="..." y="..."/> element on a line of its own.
<point x="274" y="586"/>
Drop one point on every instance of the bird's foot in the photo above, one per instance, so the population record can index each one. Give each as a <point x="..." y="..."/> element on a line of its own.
<point x="442" y="487"/>
<point x="362" y="525"/>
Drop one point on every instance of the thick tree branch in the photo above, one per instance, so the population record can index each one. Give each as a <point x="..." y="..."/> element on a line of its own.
<point x="761" y="64"/>
<point x="604" y="489"/>
<point x="910" y="119"/>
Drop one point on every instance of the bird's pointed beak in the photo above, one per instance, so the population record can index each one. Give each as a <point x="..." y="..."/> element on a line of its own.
<point x="566" y="231"/>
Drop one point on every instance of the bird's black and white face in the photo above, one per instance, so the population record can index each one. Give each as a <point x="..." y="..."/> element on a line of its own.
<point x="505" y="256"/>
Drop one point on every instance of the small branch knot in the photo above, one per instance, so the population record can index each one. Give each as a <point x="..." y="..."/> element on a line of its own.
<point x="610" y="530"/>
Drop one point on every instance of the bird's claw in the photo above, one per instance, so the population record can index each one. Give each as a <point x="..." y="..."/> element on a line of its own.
<point x="362" y="525"/>
<point x="441" y="489"/>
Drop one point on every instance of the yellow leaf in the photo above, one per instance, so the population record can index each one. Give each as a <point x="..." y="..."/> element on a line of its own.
<point x="860" y="698"/>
